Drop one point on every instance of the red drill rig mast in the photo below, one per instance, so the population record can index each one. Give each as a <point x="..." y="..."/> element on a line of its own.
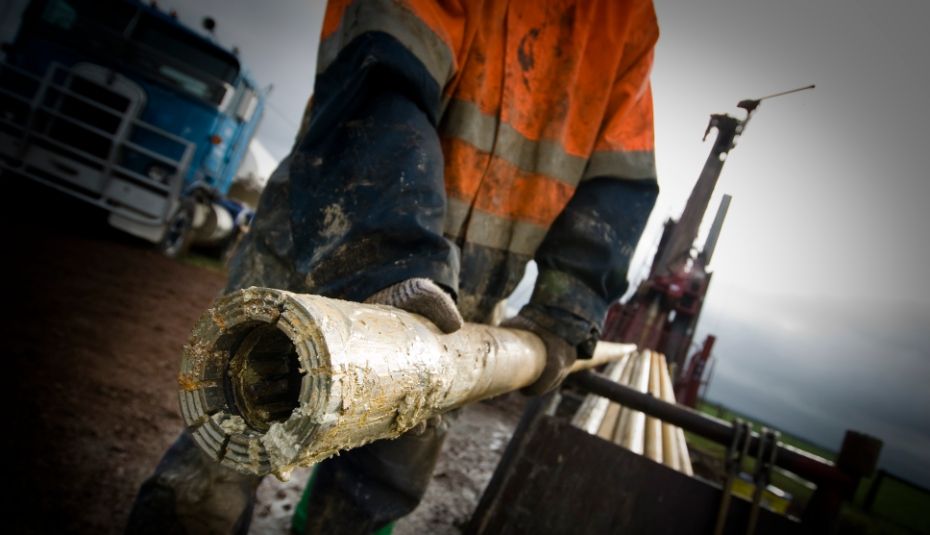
<point x="664" y="311"/>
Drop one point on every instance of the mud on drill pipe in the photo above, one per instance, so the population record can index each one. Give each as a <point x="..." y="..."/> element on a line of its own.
<point x="272" y="380"/>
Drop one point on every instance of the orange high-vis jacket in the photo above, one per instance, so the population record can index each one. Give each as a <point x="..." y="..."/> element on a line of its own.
<point x="532" y="101"/>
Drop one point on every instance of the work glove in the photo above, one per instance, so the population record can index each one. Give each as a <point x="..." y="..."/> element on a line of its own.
<point x="426" y="298"/>
<point x="423" y="297"/>
<point x="560" y="354"/>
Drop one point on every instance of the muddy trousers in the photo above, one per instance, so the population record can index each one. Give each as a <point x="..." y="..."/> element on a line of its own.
<point x="356" y="492"/>
<point x="367" y="488"/>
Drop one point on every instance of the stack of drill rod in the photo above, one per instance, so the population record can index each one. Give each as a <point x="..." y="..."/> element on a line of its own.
<point x="645" y="371"/>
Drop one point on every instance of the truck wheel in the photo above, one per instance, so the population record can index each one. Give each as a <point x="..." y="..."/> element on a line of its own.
<point x="178" y="231"/>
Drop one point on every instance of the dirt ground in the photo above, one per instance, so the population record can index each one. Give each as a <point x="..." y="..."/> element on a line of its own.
<point x="93" y="333"/>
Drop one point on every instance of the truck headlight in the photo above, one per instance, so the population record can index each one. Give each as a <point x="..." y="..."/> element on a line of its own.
<point x="158" y="173"/>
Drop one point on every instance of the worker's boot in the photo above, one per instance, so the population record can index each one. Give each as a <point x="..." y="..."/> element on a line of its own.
<point x="190" y="493"/>
<point x="365" y="490"/>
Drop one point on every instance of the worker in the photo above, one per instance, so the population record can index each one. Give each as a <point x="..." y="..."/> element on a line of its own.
<point x="447" y="144"/>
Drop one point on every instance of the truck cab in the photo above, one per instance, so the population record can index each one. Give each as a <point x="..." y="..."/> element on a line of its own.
<point x="118" y="104"/>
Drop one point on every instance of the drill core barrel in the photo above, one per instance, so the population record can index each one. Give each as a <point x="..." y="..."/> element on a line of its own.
<point x="271" y="380"/>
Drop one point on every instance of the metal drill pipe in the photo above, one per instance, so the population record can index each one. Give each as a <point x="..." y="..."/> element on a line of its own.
<point x="271" y="380"/>
<point x="631" y="427"/>
<point x="677" y="435"/>
<point x="652" y="445"/>
<point x="591" y="414"/>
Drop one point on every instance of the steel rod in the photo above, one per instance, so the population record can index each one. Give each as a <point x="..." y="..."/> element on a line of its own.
<point x="591" y="414"/>
<point x="653" y="440"/>
<point x="673" y="434"/>
<point x="788" y="92"/>
<point x="806" y="465"/>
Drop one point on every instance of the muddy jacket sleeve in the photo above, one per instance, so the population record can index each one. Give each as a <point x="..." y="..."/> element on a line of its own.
<point x="367" y="196"/>
<point x="584" y="259"/>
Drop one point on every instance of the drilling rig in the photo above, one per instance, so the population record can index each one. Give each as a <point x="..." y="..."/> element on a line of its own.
<point x="663" y="312"/>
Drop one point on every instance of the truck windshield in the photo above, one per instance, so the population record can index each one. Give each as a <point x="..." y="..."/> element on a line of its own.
<point x="169" y="41"/>
<point x="151" y="44"/>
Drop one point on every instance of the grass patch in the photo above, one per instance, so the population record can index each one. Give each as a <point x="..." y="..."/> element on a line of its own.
<point x="725" y="413"/>
<point x="899" y="502"/>
<point x="799" y="489"/>
<point x="898" y="507"/>
<point x="203" y="261"/>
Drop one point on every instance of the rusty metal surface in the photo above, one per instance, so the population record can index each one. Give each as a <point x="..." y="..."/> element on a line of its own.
<point x="568" y="481"/>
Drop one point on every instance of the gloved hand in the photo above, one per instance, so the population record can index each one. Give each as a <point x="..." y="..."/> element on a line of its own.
<point x="423" y="297"/>
<point x="426" y="298"/>
<point x="560" y="355"/>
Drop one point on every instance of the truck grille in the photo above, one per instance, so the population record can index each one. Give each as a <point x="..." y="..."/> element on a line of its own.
<point x="93" y="116"/>
<point x="77" y="130"/>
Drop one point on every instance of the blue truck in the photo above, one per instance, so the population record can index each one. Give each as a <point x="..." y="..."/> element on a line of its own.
<point x="118" y="104"/>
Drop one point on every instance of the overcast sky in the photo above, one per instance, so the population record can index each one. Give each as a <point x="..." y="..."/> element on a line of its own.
<point x="820" y="295"/>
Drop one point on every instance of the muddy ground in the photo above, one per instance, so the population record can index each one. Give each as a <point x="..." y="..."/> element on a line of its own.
<point x="92" y="337"/>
